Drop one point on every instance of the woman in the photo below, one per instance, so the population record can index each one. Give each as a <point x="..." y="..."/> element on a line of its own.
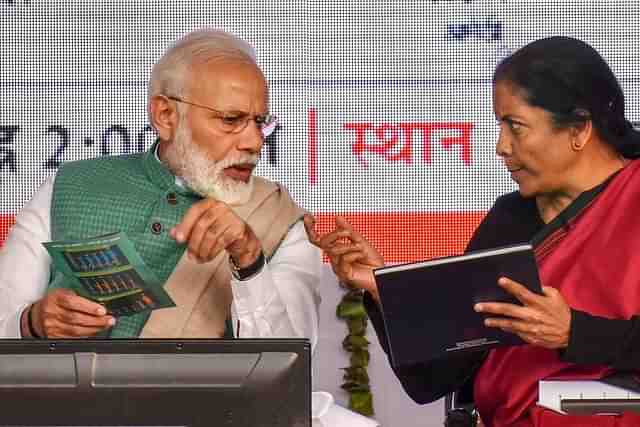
<point x="565" y="141"/>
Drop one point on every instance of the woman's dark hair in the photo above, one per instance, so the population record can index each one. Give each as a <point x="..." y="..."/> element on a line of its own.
<point x="570" y="80"/>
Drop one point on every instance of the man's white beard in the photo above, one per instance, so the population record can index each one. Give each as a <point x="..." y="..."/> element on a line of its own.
<point x="205" y="176"/>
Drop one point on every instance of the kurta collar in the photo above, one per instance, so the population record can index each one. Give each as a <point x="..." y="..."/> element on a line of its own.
<point x="160" y="174"/>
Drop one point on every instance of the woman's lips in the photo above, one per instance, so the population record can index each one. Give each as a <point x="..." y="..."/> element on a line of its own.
<point x="514" y="172"/>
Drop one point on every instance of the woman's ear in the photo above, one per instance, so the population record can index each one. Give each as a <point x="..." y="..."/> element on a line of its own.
<point x="581" y="133"/>
<point x="164" y="117"/>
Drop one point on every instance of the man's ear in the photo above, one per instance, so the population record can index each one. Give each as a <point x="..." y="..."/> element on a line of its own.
<point x="164" y="117"/>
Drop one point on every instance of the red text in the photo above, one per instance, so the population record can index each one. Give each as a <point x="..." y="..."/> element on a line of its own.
<point x="395" y="141"/>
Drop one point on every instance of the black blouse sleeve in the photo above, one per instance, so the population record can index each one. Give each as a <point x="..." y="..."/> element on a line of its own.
<point x="602" y="341"/>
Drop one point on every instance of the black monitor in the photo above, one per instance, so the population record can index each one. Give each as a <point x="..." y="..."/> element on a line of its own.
<point x="196" y="383"/>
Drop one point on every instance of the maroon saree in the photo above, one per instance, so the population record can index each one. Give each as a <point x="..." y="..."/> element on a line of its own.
<point x="592" y="257"/>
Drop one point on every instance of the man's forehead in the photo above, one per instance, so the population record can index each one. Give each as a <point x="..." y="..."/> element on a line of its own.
<point x="229" y="82"/>
<point x="225" y="73"/>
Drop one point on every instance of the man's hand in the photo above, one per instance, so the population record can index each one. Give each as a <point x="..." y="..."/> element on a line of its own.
<point x="352" y="257"/>
<point x="209" y="227"/>
<point x="543" y="320"/>
<point x="64" y="314"/>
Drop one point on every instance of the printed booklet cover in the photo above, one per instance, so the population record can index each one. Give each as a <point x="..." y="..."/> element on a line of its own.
<point x="108" y="270"/>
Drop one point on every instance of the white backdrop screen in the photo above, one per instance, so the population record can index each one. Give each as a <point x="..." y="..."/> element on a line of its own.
<point x="385" y="106"/>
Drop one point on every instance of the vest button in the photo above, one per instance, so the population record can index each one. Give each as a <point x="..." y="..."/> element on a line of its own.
<point x="156" y="228"/>
<point x="172" y="199"/>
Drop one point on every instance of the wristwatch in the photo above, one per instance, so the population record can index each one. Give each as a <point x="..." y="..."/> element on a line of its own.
<point x="249" y="271"/>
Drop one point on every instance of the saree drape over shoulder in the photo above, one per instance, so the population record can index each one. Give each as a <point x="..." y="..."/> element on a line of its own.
<point x="591" y="254"/>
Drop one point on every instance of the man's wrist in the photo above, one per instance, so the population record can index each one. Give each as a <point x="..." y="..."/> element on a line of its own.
<point x="24" y="327"/>
<point x="27" y="327"/>
<point x="247" y="259"/>
<point x="246" y="272"/>
<point x="251" y="251"/>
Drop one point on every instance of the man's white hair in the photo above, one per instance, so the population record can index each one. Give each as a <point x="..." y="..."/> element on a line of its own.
<point x="170" y="74"/>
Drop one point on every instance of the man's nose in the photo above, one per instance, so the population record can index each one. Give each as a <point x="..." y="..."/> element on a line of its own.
<point x="252" y="138"/>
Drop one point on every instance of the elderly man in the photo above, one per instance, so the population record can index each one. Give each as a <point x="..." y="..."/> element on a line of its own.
<point x="227" y="245"/>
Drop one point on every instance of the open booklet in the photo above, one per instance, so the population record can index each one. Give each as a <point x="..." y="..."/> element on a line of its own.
<point x="427" y="307"/>
<point x="108" y="270"/>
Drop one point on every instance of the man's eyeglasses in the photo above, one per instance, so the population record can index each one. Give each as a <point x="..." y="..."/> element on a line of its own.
<point x="236" y="122"/>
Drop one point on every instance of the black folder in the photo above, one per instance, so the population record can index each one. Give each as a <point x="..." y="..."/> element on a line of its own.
<point x="427" y="307"/>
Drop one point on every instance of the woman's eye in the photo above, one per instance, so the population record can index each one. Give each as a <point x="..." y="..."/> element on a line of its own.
<point x="514" y="126"/>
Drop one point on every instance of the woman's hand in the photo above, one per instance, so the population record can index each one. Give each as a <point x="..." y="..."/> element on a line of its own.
<point x="543" y="320"/>
<point x="352" y="257"/>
